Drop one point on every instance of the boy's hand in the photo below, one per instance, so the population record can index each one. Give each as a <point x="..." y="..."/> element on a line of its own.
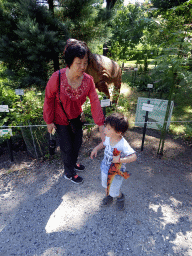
<point x="116" y="159"/>
<point x="93" y="153"/>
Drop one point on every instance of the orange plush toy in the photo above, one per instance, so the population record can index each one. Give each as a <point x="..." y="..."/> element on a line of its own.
<point x="115" y="169"/>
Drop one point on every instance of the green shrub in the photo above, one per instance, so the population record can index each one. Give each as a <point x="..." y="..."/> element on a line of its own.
<point x="24" y="111"/>
<point x="29" y="109"/>
<point x="188" y="131"/>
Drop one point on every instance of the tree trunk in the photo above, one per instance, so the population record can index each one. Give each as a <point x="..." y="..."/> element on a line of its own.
<point x="56" y="62"/>
<point x="56" y="57"/>
<point x="110" y="4"/>
<point x="51" y="6"/>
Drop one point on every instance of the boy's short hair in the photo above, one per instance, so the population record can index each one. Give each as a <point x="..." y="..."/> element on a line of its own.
<point x="74" y="48"/>
<point x="118" y="122"/>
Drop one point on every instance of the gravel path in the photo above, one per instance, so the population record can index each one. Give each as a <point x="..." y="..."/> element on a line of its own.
<point x="41" y="213"/>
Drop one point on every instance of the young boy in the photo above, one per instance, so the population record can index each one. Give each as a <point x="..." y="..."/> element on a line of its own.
<point x="115" y="126"/>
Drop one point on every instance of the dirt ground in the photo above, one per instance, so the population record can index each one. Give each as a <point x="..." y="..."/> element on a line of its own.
<point x="43" y="214"/>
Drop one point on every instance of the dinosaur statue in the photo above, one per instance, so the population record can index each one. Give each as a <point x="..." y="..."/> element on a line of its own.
<point x="115" y="169"/>
<point x="104" y="72"/>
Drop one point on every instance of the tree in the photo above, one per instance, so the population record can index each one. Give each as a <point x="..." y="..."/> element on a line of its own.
<point x="165" y="26"/>
<point x="127" y="29"/>
<point x="172" y="36"/>
<point x="166" y="4"/>
<point x="29" y="38"/>
<point x="33" y="32"/>
<point x="110" y="4"/>
<point x="85" y="20"/>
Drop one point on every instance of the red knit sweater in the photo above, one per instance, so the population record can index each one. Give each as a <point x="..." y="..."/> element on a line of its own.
<point x="72" y="99"/>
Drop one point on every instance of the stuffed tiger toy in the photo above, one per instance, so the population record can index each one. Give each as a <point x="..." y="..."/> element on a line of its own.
<point x="115" y="169"/>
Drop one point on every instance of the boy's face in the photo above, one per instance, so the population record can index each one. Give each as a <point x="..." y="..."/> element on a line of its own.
<point x="110" y="131"/>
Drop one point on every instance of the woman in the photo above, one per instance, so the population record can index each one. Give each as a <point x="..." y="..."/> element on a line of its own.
<point x="62" y="105"/>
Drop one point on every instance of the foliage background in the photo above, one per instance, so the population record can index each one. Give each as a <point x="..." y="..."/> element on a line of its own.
<point x="157" y="38"/>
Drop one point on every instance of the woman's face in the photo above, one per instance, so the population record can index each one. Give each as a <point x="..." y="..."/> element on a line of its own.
<point x="79" y="66"/>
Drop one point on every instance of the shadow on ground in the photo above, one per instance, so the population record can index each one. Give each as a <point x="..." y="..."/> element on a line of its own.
<point x="43" y="214"/>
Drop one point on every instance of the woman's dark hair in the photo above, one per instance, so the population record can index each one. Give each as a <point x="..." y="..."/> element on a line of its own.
<point x="118" y="122"/>
<point x="74" y="48"/>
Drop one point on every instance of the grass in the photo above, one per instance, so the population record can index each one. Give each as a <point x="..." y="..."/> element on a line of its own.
<point x="133" y="63"/>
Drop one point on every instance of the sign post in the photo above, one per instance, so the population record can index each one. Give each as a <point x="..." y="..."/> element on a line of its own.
<point x="148" y="108"/>
<point x="5" y="108"/>
<point x="105" y="103"/>
<point x="9" y="144"/>
<point x="135" y="74"/>
<point x="150" y="87"/>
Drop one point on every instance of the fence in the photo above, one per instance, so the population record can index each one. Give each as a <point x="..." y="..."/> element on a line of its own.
<point x="37" y="138"/>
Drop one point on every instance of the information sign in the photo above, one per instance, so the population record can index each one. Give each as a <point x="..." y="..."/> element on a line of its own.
<point x="4" y="108"/>
<point x="156" y="117"/>
<point x="19" y="91"/>
<point x="150" y="86"/>
<point x="105" y="103"/>
<point x="5" y="132"/>
<point x="147" y="107"/>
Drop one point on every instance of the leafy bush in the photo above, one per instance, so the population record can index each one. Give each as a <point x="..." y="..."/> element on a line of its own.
<point x="7" y="97"/>
<point x="24" y="111"/>
<point x="29" y="109"/>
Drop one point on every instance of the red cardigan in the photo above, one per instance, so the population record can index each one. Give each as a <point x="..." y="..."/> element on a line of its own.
<point x="72" y="99"/>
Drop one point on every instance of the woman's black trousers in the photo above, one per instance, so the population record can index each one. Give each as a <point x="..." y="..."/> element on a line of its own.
<point x="70" y="143"/>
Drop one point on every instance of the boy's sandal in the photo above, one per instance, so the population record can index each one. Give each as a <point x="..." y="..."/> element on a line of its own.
<point x="107" y="200"/>
<point x="121" y="203"/>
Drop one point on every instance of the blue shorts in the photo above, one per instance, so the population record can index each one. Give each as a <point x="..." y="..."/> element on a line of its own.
<point x="116" y="183"/>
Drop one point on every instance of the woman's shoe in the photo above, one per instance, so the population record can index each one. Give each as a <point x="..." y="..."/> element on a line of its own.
<point x="75" y="179"/>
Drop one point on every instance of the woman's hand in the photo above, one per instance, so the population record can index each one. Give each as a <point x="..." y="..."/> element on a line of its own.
<point x="101" y="130"/>
<point x="50" y="127"/>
